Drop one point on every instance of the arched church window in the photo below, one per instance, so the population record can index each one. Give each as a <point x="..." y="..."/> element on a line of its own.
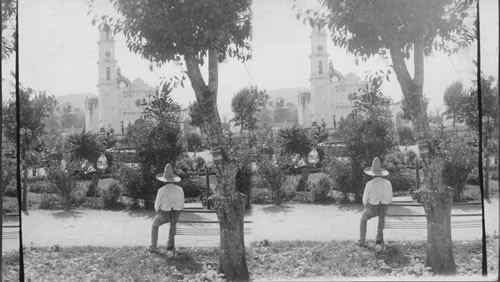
<point x="108" y="73"/>
<point x="320" y="67"/>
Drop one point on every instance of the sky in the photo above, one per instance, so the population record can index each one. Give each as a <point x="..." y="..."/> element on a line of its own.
<point x="58" y="53"/>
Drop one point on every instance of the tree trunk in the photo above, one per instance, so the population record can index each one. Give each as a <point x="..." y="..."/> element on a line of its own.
<point x="232" y="257"/>
<point x="229" y="204"/>
<point x="487" y="177"/>
<point x="24" y="203"/>
<point x="486" y="167"/>
<point x="437" y="205"/>
<point x="435" y="198"/>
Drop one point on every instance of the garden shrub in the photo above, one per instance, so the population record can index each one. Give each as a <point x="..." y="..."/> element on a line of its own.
<point x="494" y="175"/>
<point x="243" y="182"/>
<point x="9" y="175"/>
<point x="193" y="141"/>
<point x="191" y="187"/>
<point x="184" y="164"/>
<point x="64" y="181"/>
<point x="395" y="161"/>
<point x="321" y="190"/>
<point x="406" y="136"/>
<point x="399" y="182"/>
<point x="303" y="181"/>
<point x="459" y="162"/>
<point x="411" y="157"/>
<point x="49" y="202"/>
<point x="110" y="195"/>
<point x="199" y="163"/>
<point x="131" y="180"/>
<point x="274" y="177"/>
<point x="262" y="197"/>
<point x="42" y="187"/>
<point x="340" y="172"/>
<point x="473" y="177"/>
<point x="92" y="189"/>
<point x="92" y="203"/>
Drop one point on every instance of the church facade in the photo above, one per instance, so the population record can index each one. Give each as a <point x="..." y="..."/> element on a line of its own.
<point x="119" y="100"/>
<point x="328" y="98"/>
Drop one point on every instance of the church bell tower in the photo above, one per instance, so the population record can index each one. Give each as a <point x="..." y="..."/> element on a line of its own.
<point x="319" y="74"/>
<point x="106" y="85"/>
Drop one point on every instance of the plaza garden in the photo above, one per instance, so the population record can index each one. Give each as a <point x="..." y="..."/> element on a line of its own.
<point x="250" y="170"/>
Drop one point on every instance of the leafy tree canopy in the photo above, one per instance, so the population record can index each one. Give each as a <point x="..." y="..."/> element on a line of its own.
<point x="163" y="31"/>
<point x="8" y="13"/>
<point x="366" y="28"/>
<point x="454" y="97"/>
<point x="245" y="104"/>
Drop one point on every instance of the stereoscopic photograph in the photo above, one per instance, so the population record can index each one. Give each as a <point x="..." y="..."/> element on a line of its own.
<point x="250" y="140"/>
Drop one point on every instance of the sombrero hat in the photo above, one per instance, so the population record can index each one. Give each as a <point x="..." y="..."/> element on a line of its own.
<point x="376" y="169"/>
<point x="168" y="175"/>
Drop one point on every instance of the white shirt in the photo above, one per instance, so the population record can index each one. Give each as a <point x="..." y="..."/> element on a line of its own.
<point x="377" y="190"/>
<point x="169" y="197"/>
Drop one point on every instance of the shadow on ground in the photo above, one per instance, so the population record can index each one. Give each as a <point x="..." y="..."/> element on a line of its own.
<point x="276" y="209"/>
<point x="350" y="207"/>
<point x="148" y="214"/>
<point x="67" y="214"/>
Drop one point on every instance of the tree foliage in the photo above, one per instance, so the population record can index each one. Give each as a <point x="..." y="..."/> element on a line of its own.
<point x="157" y="139"/>
<point x="489" y="104"/>
<point x="367" y="132"/>
<point x="460" y="160"/>
<point x="245" y="104"/>
<point x="454" y="99"/>
<point x="8" y="14"/>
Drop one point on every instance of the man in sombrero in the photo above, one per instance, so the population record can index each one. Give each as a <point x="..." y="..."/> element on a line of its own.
<point x="168" y="204"/>
<point x="376" y="197"/>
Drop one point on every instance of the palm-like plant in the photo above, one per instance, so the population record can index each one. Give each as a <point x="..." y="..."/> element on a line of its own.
<point x="84" y="146"/>
<point x="295" y="140"/>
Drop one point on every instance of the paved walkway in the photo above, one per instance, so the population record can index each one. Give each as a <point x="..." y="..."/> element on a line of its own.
<point x="286" y="222"/>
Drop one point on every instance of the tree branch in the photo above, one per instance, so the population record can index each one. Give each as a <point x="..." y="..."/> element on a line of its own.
<point x="213" y="70"/>
<point x="401" y="70"/>
<point x="194" y="74"/>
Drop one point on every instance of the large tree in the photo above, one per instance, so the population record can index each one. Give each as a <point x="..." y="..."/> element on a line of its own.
<point x="199" y="34"/>
<point x="454" y="98"/>
<point x="245" y="104"/>
<point x="408" y="30"/>
<point x="35" y="108"/>
<point x="489" y="119"/>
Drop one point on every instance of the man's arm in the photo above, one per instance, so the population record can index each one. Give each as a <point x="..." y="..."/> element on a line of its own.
<point x="158" y="201"/>
<point x="365" y="194"/>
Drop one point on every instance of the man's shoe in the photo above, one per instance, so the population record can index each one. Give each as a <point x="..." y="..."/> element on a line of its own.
<point x="170" y="248"/>
<point x="379" y="242"/>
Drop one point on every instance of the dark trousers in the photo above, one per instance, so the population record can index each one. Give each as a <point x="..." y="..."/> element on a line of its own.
<point x="161" y="218"/>
<point x="373" y="211"/>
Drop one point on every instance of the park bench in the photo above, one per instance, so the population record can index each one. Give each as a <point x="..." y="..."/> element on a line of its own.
<point x="458" y="220"/>
<point x="10" y="230"/>
<point x="201" y="228"/>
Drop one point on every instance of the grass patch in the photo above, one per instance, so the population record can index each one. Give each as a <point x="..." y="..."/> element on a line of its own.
<point x="272" y="261"/>
<point x="118" y="264"/>
<point x="326" y="261"/>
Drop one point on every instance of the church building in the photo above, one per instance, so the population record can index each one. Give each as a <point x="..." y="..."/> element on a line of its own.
<point x="118" y="102"/>
<point x="328" y="99"/>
